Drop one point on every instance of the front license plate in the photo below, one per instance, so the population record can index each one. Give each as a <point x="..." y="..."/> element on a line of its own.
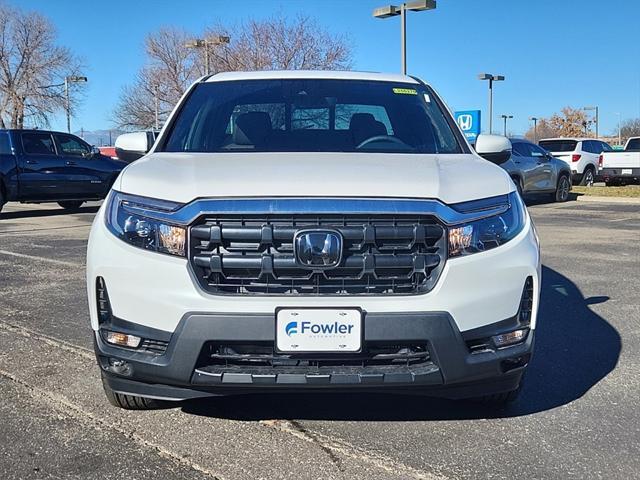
<point x="305" y="330"/>
<point x="627" y="171"/>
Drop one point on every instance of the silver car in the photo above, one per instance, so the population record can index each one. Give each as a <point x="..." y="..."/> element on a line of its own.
<point x="534" y="170"/>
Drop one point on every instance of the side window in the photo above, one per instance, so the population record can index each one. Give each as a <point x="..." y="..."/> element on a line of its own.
<point x="536" y="151"/>
<point x="520" y="150"/>
<point x="38" y="144"/>
<point x="604" y="147"/>
<point x="592" y="146"/>
<point x="72" y="146"/>
<point x="585" y="146"/>
<point x="5" y="148"/>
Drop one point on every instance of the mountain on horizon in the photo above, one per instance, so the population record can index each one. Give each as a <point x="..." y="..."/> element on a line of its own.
<point x="99" y="138"/>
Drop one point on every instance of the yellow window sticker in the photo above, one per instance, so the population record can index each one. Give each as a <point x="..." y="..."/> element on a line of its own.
<point x="405" y="91"/>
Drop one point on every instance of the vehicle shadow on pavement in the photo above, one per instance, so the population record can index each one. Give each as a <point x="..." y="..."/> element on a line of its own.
<point x="533" y="199"/>
<point x="53" y="212"/>
<point x="575" y="349"/>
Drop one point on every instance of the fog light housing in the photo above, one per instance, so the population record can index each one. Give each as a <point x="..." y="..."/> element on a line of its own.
<point x="510" y="338"/>
<point x="122" y="339"/>
<point x="119" y="367"/>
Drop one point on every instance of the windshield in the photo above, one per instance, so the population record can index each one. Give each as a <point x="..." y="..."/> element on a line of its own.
<point x="558" y="145"/>
<point x="311" y="115"/>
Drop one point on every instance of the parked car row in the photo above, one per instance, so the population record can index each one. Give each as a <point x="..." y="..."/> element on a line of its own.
<point x="581" y="154"/>
<point x="43" y="166"/>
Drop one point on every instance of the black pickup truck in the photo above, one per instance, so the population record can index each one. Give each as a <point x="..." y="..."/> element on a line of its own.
<point x="38" y="166"/>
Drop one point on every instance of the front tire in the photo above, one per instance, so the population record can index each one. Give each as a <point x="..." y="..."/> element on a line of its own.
<point x="71" y="204"/>
<point x="130" y="402"/>
<point x="588" y="177"/>
<point x="562" y="189"/>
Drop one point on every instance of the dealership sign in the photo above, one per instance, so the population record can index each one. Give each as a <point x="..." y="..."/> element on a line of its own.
<point x="469" y="122"/>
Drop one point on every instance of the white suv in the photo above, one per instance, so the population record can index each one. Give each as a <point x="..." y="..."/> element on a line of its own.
<point x="312" y="231"/>
<point x="581" y="154"/>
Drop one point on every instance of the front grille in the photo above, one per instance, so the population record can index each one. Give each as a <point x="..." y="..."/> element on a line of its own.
<point x="157" y="347"/>
<point x="253" y="254"/>
<point x="233" y="356"/>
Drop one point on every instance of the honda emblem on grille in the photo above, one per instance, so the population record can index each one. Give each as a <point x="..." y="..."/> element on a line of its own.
<point x="318" y="249"/>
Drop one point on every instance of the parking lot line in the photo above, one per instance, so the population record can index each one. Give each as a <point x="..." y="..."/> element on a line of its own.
<point x="44" y="259"/>
<point x="83" y="415"/>
<point x="47" y="229"/>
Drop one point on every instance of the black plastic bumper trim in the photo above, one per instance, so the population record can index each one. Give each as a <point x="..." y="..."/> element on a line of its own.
<point x="454" y="364"/>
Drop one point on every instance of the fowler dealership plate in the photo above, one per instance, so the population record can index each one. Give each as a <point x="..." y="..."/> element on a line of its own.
<point x="627" y="171"/>
<point x="304" y="330"/>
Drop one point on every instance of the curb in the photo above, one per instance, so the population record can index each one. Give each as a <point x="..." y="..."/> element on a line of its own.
<point x="591" y="198"/>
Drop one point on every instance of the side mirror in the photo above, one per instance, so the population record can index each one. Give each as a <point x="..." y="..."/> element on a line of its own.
<point x="495" y="148"/>
<point x="94" y="150"/>
<point x="132" y="146"/>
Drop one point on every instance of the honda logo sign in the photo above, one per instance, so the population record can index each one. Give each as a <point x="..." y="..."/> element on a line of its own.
<point x="469" y="123"/>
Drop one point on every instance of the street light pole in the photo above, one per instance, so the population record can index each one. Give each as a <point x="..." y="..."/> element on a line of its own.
<point x="403" y="38"/>
<point x="491" y="106"/>
<point x="505" y="117"/>
<point x="535" y="128"/>
<point x="204" y="43"/>
<point x="155" y="97"/>
<point x="491" y="78"/>
<point x="401" y="10"/>
<point x="597" y="122"/>
<point x="67" y="101"/>
<point x="619" y="130"/>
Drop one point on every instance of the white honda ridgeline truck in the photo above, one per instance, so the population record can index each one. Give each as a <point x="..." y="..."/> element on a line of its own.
<point x="312" y="231"/>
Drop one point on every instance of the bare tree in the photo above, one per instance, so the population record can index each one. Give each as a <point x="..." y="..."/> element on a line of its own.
<point x="275" y="43"/>
<point x="170" y="69"/>
<point x="630" y="128"/>
<point x="280" y="44"/>
<point x="32" y="69"/>
<point x="570" y="122"/>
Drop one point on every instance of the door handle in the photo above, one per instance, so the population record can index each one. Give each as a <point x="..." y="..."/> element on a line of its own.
<point x="70" y="162"/>
<point x="31" y="162"/>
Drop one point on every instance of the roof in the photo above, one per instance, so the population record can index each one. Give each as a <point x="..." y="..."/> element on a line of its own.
<point x="35" y="130"/>
<point x="303" y="74"/>
<point x="575" y="139"/>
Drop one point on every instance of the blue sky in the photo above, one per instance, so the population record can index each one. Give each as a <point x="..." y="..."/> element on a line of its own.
<point x="553" y="53"/>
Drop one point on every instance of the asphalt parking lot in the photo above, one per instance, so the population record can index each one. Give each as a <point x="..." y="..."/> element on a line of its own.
<point x="577" y="416"/>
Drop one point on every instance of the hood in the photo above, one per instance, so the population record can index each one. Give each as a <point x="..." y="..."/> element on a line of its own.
<point x="183" y="177"/>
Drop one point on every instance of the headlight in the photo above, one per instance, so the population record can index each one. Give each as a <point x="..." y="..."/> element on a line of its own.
<point x="125" y="218"/>
<point x="490" y="232"/>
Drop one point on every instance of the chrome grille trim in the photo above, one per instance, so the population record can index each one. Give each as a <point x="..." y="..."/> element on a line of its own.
<point x="453" y="214"/>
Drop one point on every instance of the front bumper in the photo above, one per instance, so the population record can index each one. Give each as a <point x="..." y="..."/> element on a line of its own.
<point x="473" y="297"/>
<point x="453" y="369"/>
